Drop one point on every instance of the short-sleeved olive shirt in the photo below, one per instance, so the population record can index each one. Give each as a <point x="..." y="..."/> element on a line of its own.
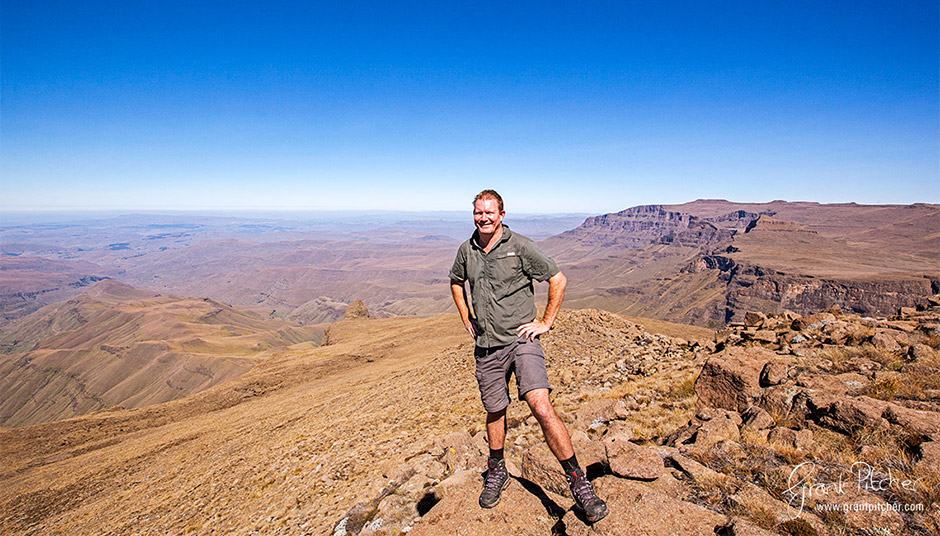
<point x="501" y="290"/>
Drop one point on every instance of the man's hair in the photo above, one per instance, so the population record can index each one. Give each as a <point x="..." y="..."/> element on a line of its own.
<point x="490" y="194"/>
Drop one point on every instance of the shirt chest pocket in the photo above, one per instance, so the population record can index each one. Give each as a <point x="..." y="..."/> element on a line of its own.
<point x="504" y="272"/>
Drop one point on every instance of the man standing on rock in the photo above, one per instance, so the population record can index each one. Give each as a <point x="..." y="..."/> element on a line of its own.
<point x="500" y="266"/>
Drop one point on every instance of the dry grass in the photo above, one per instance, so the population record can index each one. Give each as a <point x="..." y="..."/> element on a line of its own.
<point x="713" y="492"/>
<point x="796" y="527"/>
<point x="682" y="390"/>
<point x="903" y="386"/>
<point x="933" y="341"/>
<point x="656" y="421"/>
<point x="783" y="418"/>
<point x="840" y="355"/>
<point x="667" y="401"/>
<point x="756" y="513"/>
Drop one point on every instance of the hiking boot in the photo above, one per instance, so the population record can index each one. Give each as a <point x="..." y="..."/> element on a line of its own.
<point x="494" y="482"/>
<point x="593" y="507"/>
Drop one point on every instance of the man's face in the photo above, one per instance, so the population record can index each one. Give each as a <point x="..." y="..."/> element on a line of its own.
<point x="487" y="216"/>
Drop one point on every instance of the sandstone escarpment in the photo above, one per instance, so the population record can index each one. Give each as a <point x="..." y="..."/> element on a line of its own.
<point x="708" y="262"/>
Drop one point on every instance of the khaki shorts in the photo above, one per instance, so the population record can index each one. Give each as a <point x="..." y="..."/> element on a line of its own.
<point x="495" y="365"/>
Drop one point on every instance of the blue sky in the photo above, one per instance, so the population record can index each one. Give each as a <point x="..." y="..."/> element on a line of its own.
<point x="592" y="107"/>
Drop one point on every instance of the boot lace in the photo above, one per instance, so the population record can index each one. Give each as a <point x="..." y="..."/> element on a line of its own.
<point x="495" y="474"/>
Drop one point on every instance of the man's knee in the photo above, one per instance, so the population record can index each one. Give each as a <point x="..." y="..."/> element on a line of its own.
<point x="540" y="404"/>
<point x="493" y="416"/>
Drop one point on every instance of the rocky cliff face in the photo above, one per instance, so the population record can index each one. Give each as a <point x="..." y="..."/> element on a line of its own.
<point x="640" y="226"/>
<point x="707" y="263"/>
<point x="750" y="287"/>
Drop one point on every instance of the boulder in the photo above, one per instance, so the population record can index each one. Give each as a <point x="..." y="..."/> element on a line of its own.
<point x="902" y="325"/>
<point x="921" y="352"/>
<point x="923" y="425"/>
<point x="707" y="414"/>
<point x="456" y="481"/>
<point x="773" y="373"/>
<point x="884" y="341"/>
<point x="757" y="418"/>
<point x="730" y="379"/>
<point x="638" y="509"/>
<point x="778" y="399"/>
<point x="765" y="335"/>
<point x="695" y="471"/>
<point x="599" y="412"/>
<point x="629" y="460"/>
<point x="459" y="451"/>
<point x="715" y="430"/>
<point x="620" y="428"/>
<point x="849" y="415"/>
<point x="709" y="426"/>
<point x="929" y="456"/>
<point x="752" y="318"/>
<point x="797" y="439"/>
<point x="669" y="485"/>
<point x="814" y="321"/>
<point x="540" y="466"/>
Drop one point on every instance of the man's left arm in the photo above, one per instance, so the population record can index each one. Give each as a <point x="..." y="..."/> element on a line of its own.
<point x="556" y="295"/>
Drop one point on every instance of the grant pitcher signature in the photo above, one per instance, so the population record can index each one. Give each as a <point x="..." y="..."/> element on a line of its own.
<point x="861" y="476"/>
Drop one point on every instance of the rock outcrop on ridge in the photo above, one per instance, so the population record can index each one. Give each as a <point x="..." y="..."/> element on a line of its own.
<point x="821" y="424"/>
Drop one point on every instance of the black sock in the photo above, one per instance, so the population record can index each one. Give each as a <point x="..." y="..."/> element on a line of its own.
<point x="570" y="465"/>
<point x="496" y="454"/>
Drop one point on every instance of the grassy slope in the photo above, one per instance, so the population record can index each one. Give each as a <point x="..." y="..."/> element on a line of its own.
<point x="286" y="447"/>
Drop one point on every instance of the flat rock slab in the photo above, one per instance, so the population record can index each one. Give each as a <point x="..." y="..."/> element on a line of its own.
<point x="637" y="509"/>
<point x="518" y="512"/>
<point x="598" y="412"/>
<point x="633" y="461"/>
<point x="922" y="423"/>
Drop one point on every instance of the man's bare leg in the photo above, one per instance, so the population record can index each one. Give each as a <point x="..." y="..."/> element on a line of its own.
<point x="497" y="477"/>
<point x="496" y="429"/>
<point x="556" y="435"/>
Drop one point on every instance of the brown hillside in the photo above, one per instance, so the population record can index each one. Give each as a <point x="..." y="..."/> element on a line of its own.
<point x="115" y="345"/>
<point x="379" y="433"/>
<point x="29" y="283"/>
<point x="290" y="445"/>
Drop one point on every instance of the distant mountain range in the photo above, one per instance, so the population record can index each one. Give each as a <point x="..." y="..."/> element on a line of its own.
<point x="703" y="262"/>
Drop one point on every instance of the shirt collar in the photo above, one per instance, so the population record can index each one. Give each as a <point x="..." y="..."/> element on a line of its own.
<point x="474" y="240"/>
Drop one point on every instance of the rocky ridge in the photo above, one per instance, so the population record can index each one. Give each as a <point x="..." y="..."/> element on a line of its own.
<point x="819" y="424"/>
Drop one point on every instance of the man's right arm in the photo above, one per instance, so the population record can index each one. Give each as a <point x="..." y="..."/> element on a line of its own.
<point x="456" y="289"/>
